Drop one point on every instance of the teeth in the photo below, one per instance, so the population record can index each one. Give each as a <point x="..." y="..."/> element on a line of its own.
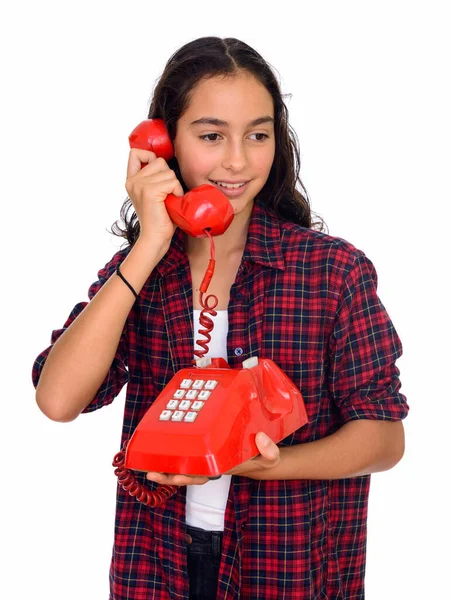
<point x="231" y="186"/>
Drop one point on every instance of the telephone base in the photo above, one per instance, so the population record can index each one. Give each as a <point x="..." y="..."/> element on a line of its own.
<point x="205" y="421"/>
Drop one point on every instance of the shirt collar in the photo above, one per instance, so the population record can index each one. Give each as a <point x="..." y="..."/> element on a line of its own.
<point x="263" y="245"/>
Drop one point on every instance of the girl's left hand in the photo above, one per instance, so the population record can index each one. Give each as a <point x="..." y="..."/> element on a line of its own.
<point x="269" y="457"/>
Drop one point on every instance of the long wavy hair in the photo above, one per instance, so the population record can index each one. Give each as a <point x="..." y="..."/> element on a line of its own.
<point x="207" y="57"/>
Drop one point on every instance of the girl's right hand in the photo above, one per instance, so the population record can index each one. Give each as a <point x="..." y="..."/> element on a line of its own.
<point x="148" y="188"/>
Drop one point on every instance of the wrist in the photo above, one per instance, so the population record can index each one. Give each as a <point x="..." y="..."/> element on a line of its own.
<point x="150" y="250"/>
<point x="137" y="267"/>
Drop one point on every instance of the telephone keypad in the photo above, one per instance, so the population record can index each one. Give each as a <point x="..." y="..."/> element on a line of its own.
<point x="188" y="400"/>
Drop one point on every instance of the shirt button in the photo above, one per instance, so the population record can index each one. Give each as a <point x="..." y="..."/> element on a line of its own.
<point x="238" y="351"/>
<point x="239" y="296"/>
<point x="188" y="539"/>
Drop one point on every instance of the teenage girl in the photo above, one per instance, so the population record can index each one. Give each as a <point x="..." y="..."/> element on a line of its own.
<point x="290" y="523"/>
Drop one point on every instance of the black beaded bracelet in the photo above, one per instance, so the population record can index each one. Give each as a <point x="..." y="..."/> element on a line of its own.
<point x="125" y="281"/>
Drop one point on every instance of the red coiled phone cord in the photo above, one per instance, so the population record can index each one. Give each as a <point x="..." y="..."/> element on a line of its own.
<point x="128" y="481"/>
<point x="126" y="478"/>
<point x="208" y="304"/>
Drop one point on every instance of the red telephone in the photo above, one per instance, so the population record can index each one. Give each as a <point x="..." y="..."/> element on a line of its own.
<point x="205" y="420"/>
<point x="216" y="412"/>
<point x="204" y="207"/>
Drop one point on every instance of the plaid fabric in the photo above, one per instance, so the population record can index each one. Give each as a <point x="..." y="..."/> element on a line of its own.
<point x="308" y="301"/>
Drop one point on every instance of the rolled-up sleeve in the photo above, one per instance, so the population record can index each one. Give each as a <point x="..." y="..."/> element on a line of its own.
<point x="363" y="377"/>
<point x="117" y="375"/>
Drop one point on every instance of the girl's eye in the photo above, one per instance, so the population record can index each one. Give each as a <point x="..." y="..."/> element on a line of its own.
<point x="214" y="137"/>
<point x="260" y="137"/>
<point x="210" y="137"/>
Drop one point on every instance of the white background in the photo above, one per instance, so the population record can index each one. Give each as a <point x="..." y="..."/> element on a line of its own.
<point x="370" y="103"/>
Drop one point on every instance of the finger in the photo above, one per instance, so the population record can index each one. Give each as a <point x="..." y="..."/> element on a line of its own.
<point x="136" y="158"/>
<point x="159" y="176"/>
<point x="157" y="477"/>
<point x="189" y="480"/>
<point x="155" y="166"/>
<point x="266" y="446"/>
<point x="168" y="183"/>
<point x="165" y="478"/>
<point x="161" y="171"/>
<point x="178" y="189"/>
<point x="140" y="189"/>
<point x="171" y="479"/>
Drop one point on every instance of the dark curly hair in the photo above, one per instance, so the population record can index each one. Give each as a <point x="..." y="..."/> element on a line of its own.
<point x="207" y="57"/>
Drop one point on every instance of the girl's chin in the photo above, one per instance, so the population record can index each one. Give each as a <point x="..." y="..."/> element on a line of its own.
<point x="242" y="207"/>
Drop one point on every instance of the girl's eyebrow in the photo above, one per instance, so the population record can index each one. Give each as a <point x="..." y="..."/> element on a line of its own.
<point x="220" y="123"/>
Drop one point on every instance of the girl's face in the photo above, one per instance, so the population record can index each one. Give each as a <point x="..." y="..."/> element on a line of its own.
<point x="226" y="138"/>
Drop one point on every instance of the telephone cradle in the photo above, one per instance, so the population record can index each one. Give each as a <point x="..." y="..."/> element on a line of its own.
<point x="205" y="421"/>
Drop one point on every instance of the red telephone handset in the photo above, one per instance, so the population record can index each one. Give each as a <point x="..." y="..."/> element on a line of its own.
<point x="204" y="207"/>
<point x="204" y="211"/>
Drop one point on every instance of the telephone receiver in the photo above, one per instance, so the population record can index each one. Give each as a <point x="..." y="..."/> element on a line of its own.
<point x="202" y="208"/>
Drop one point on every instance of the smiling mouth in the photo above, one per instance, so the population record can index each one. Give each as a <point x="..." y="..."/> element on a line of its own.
<point x="229" y="186"/>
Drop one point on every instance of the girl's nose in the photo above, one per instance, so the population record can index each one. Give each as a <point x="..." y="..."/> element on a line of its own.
<point x="234" y="157"/>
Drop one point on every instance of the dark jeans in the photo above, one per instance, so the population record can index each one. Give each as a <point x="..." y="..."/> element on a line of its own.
<point x="204" y="549"/>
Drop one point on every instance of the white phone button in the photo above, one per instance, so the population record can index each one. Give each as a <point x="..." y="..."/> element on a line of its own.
<point x="165" y="415"/>
<point x="203" y="362"/>
<point x="186" y="383"/>
<point x="250" y="362"/>
<point x="185" y="405"/>
<point x="172" y="404"/>
<point x="204" y="395"/>
<point x="191" y="394"/>
<point x="197" y="405"/>
<point x="210" y="384"/>
<point x="178" y="415"/>
<point x="179" y="394"/>
<point x="198" y="384"/>
<point x="190" y="417"/>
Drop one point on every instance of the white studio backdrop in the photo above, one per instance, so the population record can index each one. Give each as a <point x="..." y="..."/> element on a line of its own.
<point x="369" y="101"/>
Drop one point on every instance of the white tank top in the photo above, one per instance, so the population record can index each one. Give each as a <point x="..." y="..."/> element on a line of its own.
<point x="205" y="504"/>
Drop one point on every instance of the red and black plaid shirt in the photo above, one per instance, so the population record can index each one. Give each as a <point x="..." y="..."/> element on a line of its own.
<point x="307" y="301"/>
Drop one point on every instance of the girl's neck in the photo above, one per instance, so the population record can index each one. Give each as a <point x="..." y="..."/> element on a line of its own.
<point x="231" y="241"/>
